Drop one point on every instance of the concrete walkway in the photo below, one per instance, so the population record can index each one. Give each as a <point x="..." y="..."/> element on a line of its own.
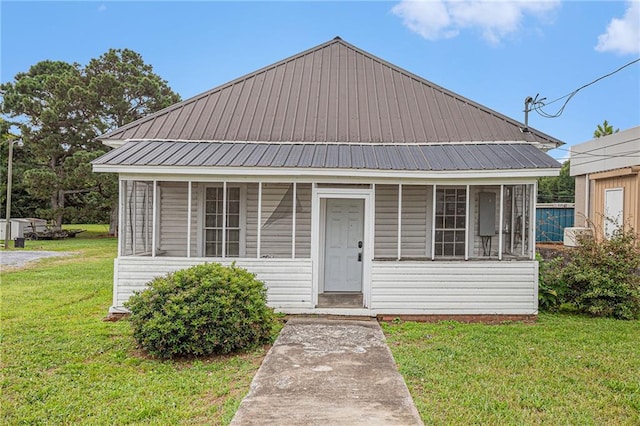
<point x="328" y="372"/>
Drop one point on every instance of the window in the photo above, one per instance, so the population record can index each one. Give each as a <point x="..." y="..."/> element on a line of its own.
<point x="451" y="212"/>
<point x="214" y="222"/>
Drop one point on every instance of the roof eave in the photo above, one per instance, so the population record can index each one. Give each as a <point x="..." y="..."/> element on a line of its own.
<point x="257" y="172"/>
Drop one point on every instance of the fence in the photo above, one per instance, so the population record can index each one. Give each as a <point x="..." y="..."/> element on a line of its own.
<point x="551" y="219"/>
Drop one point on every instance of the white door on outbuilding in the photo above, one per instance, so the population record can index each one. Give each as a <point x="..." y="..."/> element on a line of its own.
<point x="613" y="210"/>
<point x="344" y="243"/>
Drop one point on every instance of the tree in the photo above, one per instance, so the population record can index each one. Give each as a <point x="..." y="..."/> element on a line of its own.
<point x="604" y="129"/>
<point x="60" y="109"/>
<point x="557" y="189"/>
<point x="126" y="89"/>
<point x="52" y="104"/>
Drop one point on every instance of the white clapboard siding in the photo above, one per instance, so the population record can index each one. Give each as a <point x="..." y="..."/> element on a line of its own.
<point x="386" y="223"/>
<point x="288" y="281"/>
<point x="454" y="287"/>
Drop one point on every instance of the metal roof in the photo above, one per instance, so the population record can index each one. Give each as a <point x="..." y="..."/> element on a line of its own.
<point x="425" y="157"/>
<point x="334" y="92"/>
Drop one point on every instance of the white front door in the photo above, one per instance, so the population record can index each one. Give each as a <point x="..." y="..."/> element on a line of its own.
<point x="343" y="245"/>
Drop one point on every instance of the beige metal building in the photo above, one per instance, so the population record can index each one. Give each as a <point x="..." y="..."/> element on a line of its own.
<point x="608" y="181"/>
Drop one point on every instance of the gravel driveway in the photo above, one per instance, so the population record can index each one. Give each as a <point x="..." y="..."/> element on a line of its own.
<point x="15" y="259"/>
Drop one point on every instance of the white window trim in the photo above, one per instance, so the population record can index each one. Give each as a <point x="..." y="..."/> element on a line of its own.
<point x="243" y="218"/>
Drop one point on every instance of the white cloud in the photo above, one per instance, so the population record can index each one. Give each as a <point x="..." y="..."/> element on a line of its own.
<point x="623" y="35"/>
<point x="436" y="19"/>
<point x="102" y="7"/>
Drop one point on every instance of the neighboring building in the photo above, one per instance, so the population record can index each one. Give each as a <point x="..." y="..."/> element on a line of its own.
<point x="348" y="185"/>
<point x="607" y="181"/>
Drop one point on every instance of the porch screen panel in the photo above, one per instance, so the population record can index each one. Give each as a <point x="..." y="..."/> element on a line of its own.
<point x="214" y="221"/>
<point x="138" y="220"/>
<point x="450" y="222"/>
<point x="277" y="220"/>
<point x="173" y="211"/>
<point x="517" y="221"/>
<point x="386" y="221"/>
<point x="252" y="220"/>
<point x="303" y="221"/>
<point x="416" y="223"/>
<point x="484" y="221"/>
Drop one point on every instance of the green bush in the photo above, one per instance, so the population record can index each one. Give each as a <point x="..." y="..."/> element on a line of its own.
<point x="203" y="310"/>
<point x="600" y="278"/>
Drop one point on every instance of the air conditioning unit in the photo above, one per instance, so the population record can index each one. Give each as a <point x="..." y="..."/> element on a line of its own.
<point x="571" y="235"/>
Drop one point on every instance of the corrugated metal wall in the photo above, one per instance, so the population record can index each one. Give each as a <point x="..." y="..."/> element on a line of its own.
<point x="551" y="221"/>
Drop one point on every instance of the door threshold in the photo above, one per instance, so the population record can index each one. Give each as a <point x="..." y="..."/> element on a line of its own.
<point x="340" y="300"/>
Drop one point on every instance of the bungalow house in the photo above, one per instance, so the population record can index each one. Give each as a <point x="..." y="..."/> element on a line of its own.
<point x="347" y="184"/>
<point x="607" y="173"/>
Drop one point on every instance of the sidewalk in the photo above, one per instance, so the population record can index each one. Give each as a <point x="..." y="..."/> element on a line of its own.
<point x="328" y="372"/>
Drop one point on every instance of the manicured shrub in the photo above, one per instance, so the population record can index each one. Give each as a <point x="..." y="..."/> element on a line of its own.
<point x="203" y="310"/>
<point x="600" y="278"/>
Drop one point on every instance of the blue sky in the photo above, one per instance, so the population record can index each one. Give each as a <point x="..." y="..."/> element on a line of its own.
<point x="494" y="52"/>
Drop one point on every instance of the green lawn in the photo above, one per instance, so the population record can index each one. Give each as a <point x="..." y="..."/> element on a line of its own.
<point x="61" y="364"/>
<point x="560" y="370"/>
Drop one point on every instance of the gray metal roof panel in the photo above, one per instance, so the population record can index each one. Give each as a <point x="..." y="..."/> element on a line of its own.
<point x="334" y="92"/>
<point x="431" y="157"/>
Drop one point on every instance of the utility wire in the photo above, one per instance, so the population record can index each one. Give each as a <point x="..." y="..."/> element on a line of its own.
<point x="537" y="104"/>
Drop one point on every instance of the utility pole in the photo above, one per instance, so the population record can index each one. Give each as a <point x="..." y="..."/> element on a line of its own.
<point x="7" y="229"/>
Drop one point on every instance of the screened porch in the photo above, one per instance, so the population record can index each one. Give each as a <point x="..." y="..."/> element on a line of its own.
<point x="273" y="220"/>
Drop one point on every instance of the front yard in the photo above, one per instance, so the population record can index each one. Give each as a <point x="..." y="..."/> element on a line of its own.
<point x="560" y="370"/>
<point x="61" y="364"/>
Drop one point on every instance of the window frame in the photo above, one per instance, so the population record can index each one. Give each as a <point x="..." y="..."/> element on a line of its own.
<point x="439" y="245"/>
<point x="242" y="220"/>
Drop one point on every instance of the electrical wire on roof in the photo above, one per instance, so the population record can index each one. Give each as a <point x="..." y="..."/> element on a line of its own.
<point x="535" y="104"/>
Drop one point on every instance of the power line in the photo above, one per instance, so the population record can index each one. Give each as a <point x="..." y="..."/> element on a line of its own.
<point x="538" y="104"/>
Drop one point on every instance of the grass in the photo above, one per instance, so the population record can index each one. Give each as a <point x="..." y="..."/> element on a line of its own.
<point x="61" y="364"/>
<point x="560" y="370"/>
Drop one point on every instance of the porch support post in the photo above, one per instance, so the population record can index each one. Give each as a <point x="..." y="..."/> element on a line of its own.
<point x="293" y="224"/>
<point x="512" y="228"/>
<point x="399" y="221"/>
<point x="433" y="224"/>
<point x="189" y="195"/>
<point x="466" y="226"/>
<point x="524" y="209"/>
<point x="134" y="221"/>
<point x="224" y="219"/>
<point x="373" y="221"/>
<point x="122" y="234"/>
<point x="532" y="221"/>
<point x="259" y="231"/>
<point x="154" y="220"/>
<point x="501" y="222"/>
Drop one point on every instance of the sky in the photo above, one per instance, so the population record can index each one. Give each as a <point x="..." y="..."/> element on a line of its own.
<point x="496" y="53"/>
